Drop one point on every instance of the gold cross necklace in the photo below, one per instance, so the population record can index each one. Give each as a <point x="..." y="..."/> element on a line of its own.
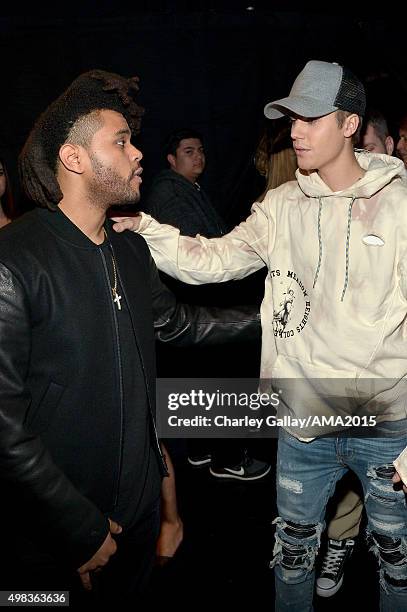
<point x="116" y="296"/>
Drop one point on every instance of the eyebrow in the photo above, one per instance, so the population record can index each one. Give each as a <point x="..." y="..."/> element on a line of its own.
<point x="122" y="132"/>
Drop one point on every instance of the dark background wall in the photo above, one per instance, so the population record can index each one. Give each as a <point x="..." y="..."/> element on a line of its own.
<point x="210" y="68"/>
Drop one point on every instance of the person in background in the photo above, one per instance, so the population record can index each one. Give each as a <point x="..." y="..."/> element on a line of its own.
<point x="177" y="198"/>
<point x="275" y="157"/>
<point x="171" y="526"/>
<point x="8" y="210"/>
<point x="402" y="141"/>
<point x="375" y="135"/>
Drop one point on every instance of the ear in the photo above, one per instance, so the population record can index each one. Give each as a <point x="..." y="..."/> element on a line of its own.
<point x="71" y="157"/>
<point x="389" y="144"/>
<point x="172" y="160"/>
<point x="351" y="124"/>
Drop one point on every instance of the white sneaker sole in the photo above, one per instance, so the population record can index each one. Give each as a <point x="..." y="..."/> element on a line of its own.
<point x="237" y="477"/>
<point x="331" y="591"/>
<point x="199" y="463"/>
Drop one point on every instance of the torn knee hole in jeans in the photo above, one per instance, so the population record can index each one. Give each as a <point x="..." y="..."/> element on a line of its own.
<point x="381" y="486"/>
<point x="381" y="472"/>
<point x="390" y="550"/>
<point x="296" y="544"/>
<point x="296" y="530"/>
<point x="392" y="556"/>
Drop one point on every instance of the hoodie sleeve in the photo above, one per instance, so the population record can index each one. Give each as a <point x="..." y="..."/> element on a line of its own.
<point x="199" y="260"/>
<point x="402" y="270"/>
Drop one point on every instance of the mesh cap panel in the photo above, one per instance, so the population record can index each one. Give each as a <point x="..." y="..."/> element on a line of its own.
<point x="351" y="94"/>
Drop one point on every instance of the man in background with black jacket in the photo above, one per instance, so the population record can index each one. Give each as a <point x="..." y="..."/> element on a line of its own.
<point x="177" y="198"/>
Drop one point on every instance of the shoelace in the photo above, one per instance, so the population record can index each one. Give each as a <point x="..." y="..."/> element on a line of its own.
<point x="333" y="560"/>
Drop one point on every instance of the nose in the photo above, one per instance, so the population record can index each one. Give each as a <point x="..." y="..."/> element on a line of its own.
<point x="297" y="129"/>
<point x="136" y="154"/>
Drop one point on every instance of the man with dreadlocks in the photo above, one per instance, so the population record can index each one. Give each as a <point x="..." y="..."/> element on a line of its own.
<point x="80" y="460"/>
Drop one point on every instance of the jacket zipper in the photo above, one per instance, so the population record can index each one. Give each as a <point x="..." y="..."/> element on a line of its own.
<point x="157" y="443"/>
<point x="119" y="364"/>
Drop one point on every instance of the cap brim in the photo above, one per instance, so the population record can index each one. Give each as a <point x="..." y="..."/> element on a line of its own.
<point x="298" y="105"/>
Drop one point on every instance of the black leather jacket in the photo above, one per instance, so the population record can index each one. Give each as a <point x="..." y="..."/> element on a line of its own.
<point x="61" y="412"/>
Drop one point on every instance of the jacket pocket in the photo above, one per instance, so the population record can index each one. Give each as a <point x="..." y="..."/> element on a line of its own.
<point x="39" y="419"/>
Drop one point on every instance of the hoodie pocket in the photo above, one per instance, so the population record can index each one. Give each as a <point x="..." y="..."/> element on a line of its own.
<point x="38" y="420"/>
<point x="306" y="389"/>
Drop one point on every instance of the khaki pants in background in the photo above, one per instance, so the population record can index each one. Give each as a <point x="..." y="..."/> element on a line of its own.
<point x="346" y="521"/>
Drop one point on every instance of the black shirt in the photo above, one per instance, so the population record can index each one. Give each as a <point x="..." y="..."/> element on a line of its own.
<point x="140" y="477"/>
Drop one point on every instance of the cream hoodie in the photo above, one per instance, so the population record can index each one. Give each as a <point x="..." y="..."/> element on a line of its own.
<point x="335" y="304"/>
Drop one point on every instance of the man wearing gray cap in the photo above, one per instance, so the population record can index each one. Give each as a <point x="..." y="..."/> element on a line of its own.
<point x="337" y="238"/>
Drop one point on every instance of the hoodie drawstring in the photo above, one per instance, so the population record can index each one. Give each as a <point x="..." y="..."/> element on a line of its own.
<point x="319" y="243"/>
<point x="345" y="285"/>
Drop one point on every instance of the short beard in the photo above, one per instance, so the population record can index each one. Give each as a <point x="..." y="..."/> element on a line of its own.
<point x="107" y="188"/>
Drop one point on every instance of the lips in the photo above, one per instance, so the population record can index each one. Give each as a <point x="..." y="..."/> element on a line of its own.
<point x="136" y="174"/>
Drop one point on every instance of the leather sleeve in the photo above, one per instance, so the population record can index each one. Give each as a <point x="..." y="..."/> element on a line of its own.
<point x="72" y="521"/>
<point x="189" y="325"/>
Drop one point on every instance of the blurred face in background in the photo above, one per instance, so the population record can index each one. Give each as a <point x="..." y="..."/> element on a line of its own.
<point x="3" y="180"/>
<point x="189" y="159"/>
<point x="372" y="142"/>
<point x="402" y="143"/>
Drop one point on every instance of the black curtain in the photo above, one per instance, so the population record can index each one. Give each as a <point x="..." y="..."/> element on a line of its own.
<point x="213" y="69"/>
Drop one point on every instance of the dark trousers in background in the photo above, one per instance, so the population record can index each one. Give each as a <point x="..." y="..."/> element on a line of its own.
<point x="224" y="452"/>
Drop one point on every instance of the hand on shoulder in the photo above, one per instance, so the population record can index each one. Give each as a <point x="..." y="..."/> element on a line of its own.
<point x="126" y="223"/>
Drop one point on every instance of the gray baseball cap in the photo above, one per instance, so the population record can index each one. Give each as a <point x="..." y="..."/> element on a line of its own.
<point x="320" y="88"/>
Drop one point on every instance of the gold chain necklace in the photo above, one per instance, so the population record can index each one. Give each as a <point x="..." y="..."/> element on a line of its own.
<point x="116" y="296"/>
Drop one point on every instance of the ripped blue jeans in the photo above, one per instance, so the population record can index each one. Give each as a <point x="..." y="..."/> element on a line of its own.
<point x="307" y="473"/>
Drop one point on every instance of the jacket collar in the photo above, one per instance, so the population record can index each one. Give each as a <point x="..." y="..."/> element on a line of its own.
<point x="171" y="175"/>
<point x="59" y="224"/>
